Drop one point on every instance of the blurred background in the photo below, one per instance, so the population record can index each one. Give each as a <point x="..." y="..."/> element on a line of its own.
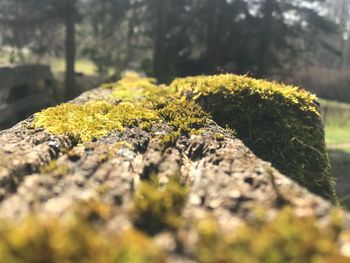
<point x="52" y="50"/>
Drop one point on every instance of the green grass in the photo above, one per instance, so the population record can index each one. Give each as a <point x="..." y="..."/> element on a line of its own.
<point x="336" y="136"/>
<point x="57" y="64"/>
<point x="82" y="65"/>
<point x="341" y="170"/>
<point x="336" y="116"/>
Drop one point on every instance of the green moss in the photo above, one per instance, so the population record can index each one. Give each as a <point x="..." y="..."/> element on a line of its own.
<point x="96" y="119"/>
<point x="54" y="169"/>
<point x="93" y="120"/>
<point x="157" y="206"/>
<point x="133" y="88"/>
<point x="92" y="210"/>
<point x="287" y="238"/>
<point x="185" y="117"/>
<point x="219" y="137"/>
<point x="281" y="124"/>
<point x="51" y="240"/>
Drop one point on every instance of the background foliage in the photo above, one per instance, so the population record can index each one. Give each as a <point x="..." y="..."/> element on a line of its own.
<point x="168" y="38"/>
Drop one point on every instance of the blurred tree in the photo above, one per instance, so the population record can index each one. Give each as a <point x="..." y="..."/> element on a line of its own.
<point x="339" y="11"/>
<point x="109" y="32"/>
<point x="21" y="30"/>
<point x="31" y="23"/>
<point x="168" y="38"/>
<point x="69" y="13"/>
<point x="287" y="31"/>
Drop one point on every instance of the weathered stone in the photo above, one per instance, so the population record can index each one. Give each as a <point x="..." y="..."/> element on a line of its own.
<point x="226" y="181"/>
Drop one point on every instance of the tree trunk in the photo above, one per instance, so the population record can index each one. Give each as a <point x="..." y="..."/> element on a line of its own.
<point x="71" y="89"/>
<point x="210" y="45"/>
<point x="265" y="38"/>
<point x="345" y="17"/>
<point x="159" y="55"/>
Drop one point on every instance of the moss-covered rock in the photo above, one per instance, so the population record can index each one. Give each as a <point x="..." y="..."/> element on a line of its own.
<point x="281" y="124"/>
<point x="287" y="238"/>
<point x="75" y="239"/>
<point x="121" y="196"/>
<point x="93" y="119"/>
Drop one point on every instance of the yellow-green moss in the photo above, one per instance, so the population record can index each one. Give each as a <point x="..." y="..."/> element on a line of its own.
<point x="287" y="238"/>
<point x="281" y="124"/>
<point x="185" y="117"/>
<point x="54" y="169"/>
<point x="132" y="87"/>
<point x="91" y="210"/>
<point x="51" y="240"/>
<point x="157" y="206"/>
<point x="94" y="119"/>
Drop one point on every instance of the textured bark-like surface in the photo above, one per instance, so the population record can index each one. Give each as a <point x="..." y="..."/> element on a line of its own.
<point x="226" y="181"/>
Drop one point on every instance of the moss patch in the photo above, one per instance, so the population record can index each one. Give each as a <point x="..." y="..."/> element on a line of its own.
<point x="94" y="119"/>
<point x="185" y="117"/>
<point x="287" y="238"/>
<point x="51" y="240"/>
<point x="134" y="88"/>
<point x="158" y="206"/>
<point x="54" y="169"/>
<point x="281" y="124"/>
<point x="144" y="103"/>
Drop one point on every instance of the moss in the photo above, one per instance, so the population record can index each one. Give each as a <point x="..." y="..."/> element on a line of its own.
<point x="132" y="87"/>
<point x="51" y="240"/>
<point x="159" y="206"/>
<point x="96" y="119"/>
<point x="92" y="210"/>
<point x="287" y="238"/>
<point x="54" y="169"/>
<point x="136" y="247"/>
<point x="93" y="120"/>
<point x="219" y="137"/>
<point x="185" y="117"/>
<point x="281" y="124"/>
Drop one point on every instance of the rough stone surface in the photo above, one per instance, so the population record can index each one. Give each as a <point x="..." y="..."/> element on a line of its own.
<point x="226" y="180"/>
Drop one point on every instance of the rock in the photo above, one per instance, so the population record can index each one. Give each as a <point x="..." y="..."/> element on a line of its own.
<point x="190" y="196"/>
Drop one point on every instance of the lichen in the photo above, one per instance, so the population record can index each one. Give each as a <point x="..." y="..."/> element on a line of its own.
<point x="287" y="238"/>
<point x="93" y="120"/>
<point x="157" y="206"/>
<point x="281" y="124"/>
